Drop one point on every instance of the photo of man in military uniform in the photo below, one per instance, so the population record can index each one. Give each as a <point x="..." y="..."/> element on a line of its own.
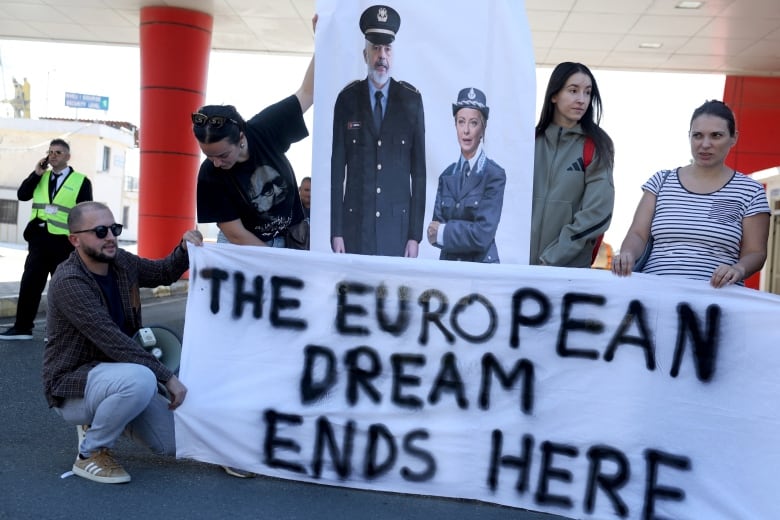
<point x="378" y="154"/>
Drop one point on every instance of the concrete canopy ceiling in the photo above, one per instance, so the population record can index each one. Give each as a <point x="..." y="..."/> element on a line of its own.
<point x="734" y="37"/>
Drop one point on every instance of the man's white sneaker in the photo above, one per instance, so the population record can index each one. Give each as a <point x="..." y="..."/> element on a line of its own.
<point x="101" y="467"/>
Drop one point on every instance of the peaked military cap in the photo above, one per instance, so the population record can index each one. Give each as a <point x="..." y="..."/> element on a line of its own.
<point x="471" y="98"/>
<point x="379" y="23"/>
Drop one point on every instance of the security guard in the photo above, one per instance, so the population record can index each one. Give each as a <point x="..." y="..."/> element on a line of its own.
<point x="54" y="191"/>
<point x="378" y="159"/>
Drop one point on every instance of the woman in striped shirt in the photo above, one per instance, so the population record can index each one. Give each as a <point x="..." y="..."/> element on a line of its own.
<point x="708" y="222"/>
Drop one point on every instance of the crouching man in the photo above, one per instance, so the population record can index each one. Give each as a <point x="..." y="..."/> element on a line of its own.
<point x="94" y="373"/>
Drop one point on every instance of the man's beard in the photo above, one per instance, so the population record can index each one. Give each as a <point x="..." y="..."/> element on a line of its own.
<point x="98" y="255"/>
<point x="379" y="78"/>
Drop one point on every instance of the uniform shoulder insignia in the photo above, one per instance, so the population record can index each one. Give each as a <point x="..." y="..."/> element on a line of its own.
<point x="409" y="86"/>
<point x="350" y="85"/>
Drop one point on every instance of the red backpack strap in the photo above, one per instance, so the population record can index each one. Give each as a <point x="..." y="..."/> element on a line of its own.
<point x="595" y="253"/>
<point x="588" y="149"/>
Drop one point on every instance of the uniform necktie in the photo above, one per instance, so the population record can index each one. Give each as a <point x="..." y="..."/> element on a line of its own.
<point x="378" y="110"/>
<point x="464" y="173"/>
<point x="53" y="178"/>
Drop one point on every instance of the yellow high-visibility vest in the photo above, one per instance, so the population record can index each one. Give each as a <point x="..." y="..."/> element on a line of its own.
<point x="55" y="212"/>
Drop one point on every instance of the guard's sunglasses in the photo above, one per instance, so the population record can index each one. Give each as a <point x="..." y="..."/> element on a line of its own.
<point x="102" y="231"/>
<point x="199" y="119"/>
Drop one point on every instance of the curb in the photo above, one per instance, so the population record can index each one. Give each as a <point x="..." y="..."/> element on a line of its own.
<point x="8" y="306"/>
<point x="8" y="303"/>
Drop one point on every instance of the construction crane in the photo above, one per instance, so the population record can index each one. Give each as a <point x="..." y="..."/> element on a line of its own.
<point x="21" y="99"/>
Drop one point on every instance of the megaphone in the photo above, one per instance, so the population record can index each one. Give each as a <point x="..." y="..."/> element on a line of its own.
<point x="163" y="344"/>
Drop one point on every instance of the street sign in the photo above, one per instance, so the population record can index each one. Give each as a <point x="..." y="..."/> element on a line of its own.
<point x="75" y="100"/>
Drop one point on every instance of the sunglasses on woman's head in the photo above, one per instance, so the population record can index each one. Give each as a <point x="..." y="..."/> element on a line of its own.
<point x="199" y="119"/>
<point x="102" y="231"/>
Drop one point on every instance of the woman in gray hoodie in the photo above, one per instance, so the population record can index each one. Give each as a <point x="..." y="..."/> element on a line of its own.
<point x="573" y="190"/>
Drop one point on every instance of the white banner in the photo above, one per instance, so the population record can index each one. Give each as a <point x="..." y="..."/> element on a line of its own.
<point x="568" y="391"/>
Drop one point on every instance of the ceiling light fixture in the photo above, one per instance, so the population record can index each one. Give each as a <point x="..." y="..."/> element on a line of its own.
<point x="650" y="45"/>
<point x="686" y="4"/>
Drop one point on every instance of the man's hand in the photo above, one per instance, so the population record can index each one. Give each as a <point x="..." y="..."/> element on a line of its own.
<point x="433" y="232"/>
<point x="191" y="235"/>
<point x="40" y="166"/>
<point x="412" y="248"/>
<point x="338" y="245"/>
<point x="177" y="392"/>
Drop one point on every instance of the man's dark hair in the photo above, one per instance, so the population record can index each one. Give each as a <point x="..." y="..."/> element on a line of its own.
<point x="60" y="142"/>
<point x="76" y="214"/>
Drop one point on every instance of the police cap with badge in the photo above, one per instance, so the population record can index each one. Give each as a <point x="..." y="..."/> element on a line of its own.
<point x="471" y="98"/>
<point x="379" y="23"/>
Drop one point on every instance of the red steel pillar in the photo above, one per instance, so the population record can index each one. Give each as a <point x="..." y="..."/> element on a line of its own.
<point x="175" y="47"/>
<point x="756" y="108"/>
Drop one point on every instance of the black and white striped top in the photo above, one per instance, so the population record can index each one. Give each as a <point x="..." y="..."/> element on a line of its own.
<point x="693" y="233"/>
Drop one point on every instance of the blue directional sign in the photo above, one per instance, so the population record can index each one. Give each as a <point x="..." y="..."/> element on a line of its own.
<point x="75" y="100"/>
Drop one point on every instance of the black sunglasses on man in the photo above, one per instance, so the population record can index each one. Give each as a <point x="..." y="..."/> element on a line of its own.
<point x="102" y="231"/>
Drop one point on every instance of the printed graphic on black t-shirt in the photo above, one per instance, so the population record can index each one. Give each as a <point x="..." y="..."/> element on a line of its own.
<point x="271" y="198"/>
<point x="267" y="189"/>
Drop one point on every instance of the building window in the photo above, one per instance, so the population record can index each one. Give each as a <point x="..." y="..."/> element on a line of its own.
<point x="9" y="210"/>
<point x="131" y="183"/>
<point x="125" y="215"/>
<point x="119" y="160"/>
<point x="106" y="159"/>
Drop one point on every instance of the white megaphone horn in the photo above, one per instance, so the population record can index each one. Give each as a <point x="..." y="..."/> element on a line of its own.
<point x="162" y="343"/>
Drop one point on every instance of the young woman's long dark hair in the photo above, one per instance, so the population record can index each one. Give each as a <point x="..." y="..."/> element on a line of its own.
<point x="605" y="149"/>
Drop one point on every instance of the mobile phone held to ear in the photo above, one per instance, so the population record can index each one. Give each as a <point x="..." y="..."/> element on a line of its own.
<point x="44" y="162"/>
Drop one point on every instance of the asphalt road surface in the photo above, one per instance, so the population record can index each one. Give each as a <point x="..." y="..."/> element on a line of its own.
<point x="37" y="447"/>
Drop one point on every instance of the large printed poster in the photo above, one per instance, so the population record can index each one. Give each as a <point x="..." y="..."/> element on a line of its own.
<point x="568" y="391"/>
<point x="376" y="188"/>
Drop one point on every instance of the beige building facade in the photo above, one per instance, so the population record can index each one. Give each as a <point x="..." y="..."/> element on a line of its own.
<point x="770" y="275"/>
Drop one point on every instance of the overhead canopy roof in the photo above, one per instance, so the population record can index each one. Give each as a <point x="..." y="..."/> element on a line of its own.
<point x="735" y="37"/>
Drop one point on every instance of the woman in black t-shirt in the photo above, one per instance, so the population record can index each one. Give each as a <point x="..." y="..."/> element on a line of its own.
<point x="246" y="184"/>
